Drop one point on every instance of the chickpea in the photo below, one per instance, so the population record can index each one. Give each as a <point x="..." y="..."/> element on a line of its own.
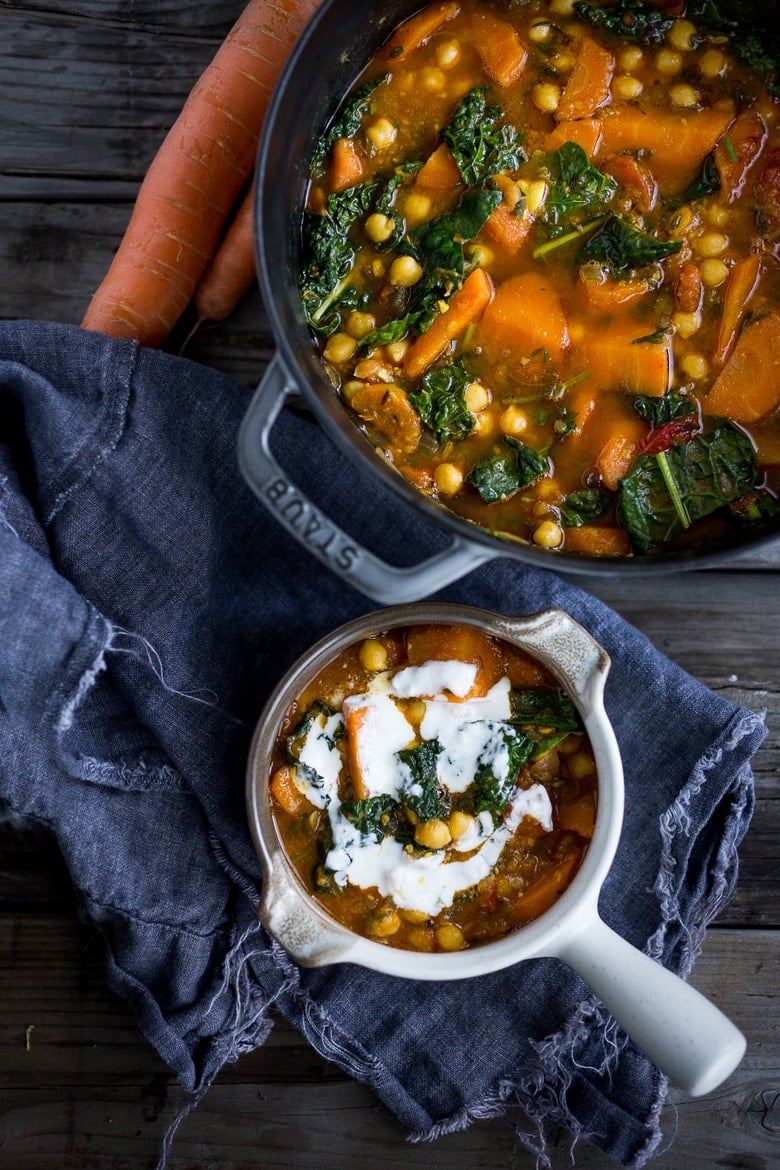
<point x="627" y="87"/>
<point x="415" y="711"/>
<point x="417" y="917"/>
<point x="581" y="766"/>
<point x="713" y="273"/>
<point x="417" y="207"/>
<point x="360" y="324"/>
<point x="395" y="350"/>
<point x="420" y="939"/>
<point x="548" y="534"/>
<point x="562" y="7"/>
<point x="668" y="61"/>
<point x="379" y="227"/>
<point x="370" y="369"/>
<point x="339" y="348"/>
<point x="384" y="922"/>
<point x="514" y="421"/>
<point x="563" y="62"/>
<point x="683" y="97"/>
<point x="712" y="64"/>
<point x="540" y="32"/>
<point x="631" y="58"/>
<point x="460" y="824"/>
<point x="448" y="478"/>
<point x="447" y="54"/>
<point x="378" y="268"/>
<point x="433" y="834"/>
<point x="711" y="244"/>
<point x="381" y="134"/>
<point x="432" y="79"/>
<point x="477" y="397"/>
<point x="373" y="655"/>
<point x="694" y="366"/>
<point x="450" y="938"/>
<point x="546" y="97"/>
<point x="681" y="35"/>
<point x="405" y="272"/>
<point x="535" y="192"/>
<point x="686" y="324"/>
<point x="350" y="389"/>
<point x="717" y="215"/>
<point x="484" y="424"/>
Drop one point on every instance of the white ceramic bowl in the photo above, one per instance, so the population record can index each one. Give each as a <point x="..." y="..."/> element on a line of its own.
<point x="686" y="1036"/>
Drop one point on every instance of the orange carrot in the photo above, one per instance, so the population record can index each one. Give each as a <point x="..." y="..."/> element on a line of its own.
<point x="593" y="540"/>
<point x="748" y="386"/>
<point x="231" y="270"/>
<point x="741" y="284"/>
<point x="500" y="49"/>
<point x="193" y="181"/>
<point x="587" y="87"/>
<point x="418" y="29"/>
<point x="508" y="230"/>
<point x="465" y="306"/>
<point x="346" y="165"/>
<point x="615" y="458"/>
<point x="439" y="172"/>
<point x="525" y="314"/>
<point x="285" y="793"/>
<point x="354" y="720"/>
<point x="586" y="132"/>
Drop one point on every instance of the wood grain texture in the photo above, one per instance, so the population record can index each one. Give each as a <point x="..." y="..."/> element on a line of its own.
<point x="88" y="88"/>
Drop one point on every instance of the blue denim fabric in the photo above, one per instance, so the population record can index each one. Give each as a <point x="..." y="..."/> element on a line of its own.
<point x="148" y="606"/>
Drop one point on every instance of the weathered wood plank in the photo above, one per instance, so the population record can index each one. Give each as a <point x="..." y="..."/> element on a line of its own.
<point x="198" y="18"/>
<point x="83" y="1089"/>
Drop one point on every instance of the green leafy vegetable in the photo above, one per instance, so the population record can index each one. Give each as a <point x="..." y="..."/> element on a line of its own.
<point x="627" y="18"/>
<point x="330" y="255"/>
<point x="660" y="411"/>
<point x="374" y="817"/>
<point x="584" y="507"/>
<point x="707" y="183"/>
<point x="440" y="242"/>
<point x="297" y="739"/>
<point x="481" y="145"/>
<point x="499" y="476"/>
<point x="349" y="120"/>
<point x="664" y="493"/>
<point x="491" y="793"/>
<point x="751" y="27"/>
<point x="578" y="190"/>
<point x="421" y="791"/>
<point x="622" y="248"/>
<point x="440" y="402"/>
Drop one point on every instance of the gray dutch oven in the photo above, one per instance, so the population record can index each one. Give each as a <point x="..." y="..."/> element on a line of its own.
<point x="334" y="48"/>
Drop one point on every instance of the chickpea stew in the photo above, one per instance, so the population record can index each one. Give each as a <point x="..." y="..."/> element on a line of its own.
<point x="541" y="266"/>
<point x="433" y="788"/>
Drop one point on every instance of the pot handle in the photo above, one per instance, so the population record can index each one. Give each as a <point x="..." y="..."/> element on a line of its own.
<point x="326" y="540"/>
<point x="686" y="1036"/>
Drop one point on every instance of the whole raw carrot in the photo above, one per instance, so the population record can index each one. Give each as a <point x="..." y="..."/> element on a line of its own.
<point x="194" y="179"/>
<point x="231" y="270"/>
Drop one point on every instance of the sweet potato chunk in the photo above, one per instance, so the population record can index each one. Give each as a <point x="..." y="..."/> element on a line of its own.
<point x="748" y="386"/>
<point x="458" y="644"/>
<point x="525" y="314"/>
<point x="587" y="88"/>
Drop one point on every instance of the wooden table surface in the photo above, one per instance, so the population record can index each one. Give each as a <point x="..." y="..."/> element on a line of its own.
<point x="87" y="90"/>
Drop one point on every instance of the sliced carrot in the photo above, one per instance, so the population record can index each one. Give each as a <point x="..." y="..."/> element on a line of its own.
<point x="586" y="132"/>
<point x="748" y="386"/>
<point x="579" y="816"/>
<point x="525" y="315"/>
<point x="457" y="644"/>
<point x="439" y="172"/>
<point x="284" y="791"/>
<point x="544" y="892"/>
<point x="592" y="540"/>
<point x="678" y="142"/>
<point x="195" y="178"/>
<point x="231" y="271"/>
<point x="499" y="48"/>
<point x="616" y="457"/>
<point x="418" y="29"/>
<point x="346" y="165"/>
<point x="617" y="359"/>
<point x="587" y="86"/>
<point x="737" y="151"/>
<point x="741" y="284"/>
<point x="508" y="230"/>
<point x="354" y="719"/>
<point x="465" y="306"/>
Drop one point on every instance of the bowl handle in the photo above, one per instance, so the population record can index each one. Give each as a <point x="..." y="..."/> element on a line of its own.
<point x="322" y="537"/>
<point x="686" y="1036"/>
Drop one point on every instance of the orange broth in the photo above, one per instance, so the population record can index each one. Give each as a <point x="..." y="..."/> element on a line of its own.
<point x="558" y="306"/>
<point x="418" y="821"/>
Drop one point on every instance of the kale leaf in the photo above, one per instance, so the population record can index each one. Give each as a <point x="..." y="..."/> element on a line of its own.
<point x="349" y="120"/>
<point x="660" y="411"/>
<point x="583" y="507"/>
<point x="627" y="18"/>
<point x="330" y="255"/>
<point x="499" y="476"/>
<point x="376" y="816"/>
<point x="297" y="739"/>
<point x="441" y="402"/>
<point x="421" y="791"/>
<point x="622" y="248"/>
<point x="706" y="183"/>
<point x="440" y="242"/>
<point x="491" y="793"/>
<point x="480" y="144"/>
<point x="577" y="190"/>
<point x="751" y="27"/>
<point x="544" y="718"/>
<point x="667" y="492"/>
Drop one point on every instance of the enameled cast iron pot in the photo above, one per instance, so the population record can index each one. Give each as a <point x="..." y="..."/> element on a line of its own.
<point x="334" y="48"/>
<point x="683" y="1033"/>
